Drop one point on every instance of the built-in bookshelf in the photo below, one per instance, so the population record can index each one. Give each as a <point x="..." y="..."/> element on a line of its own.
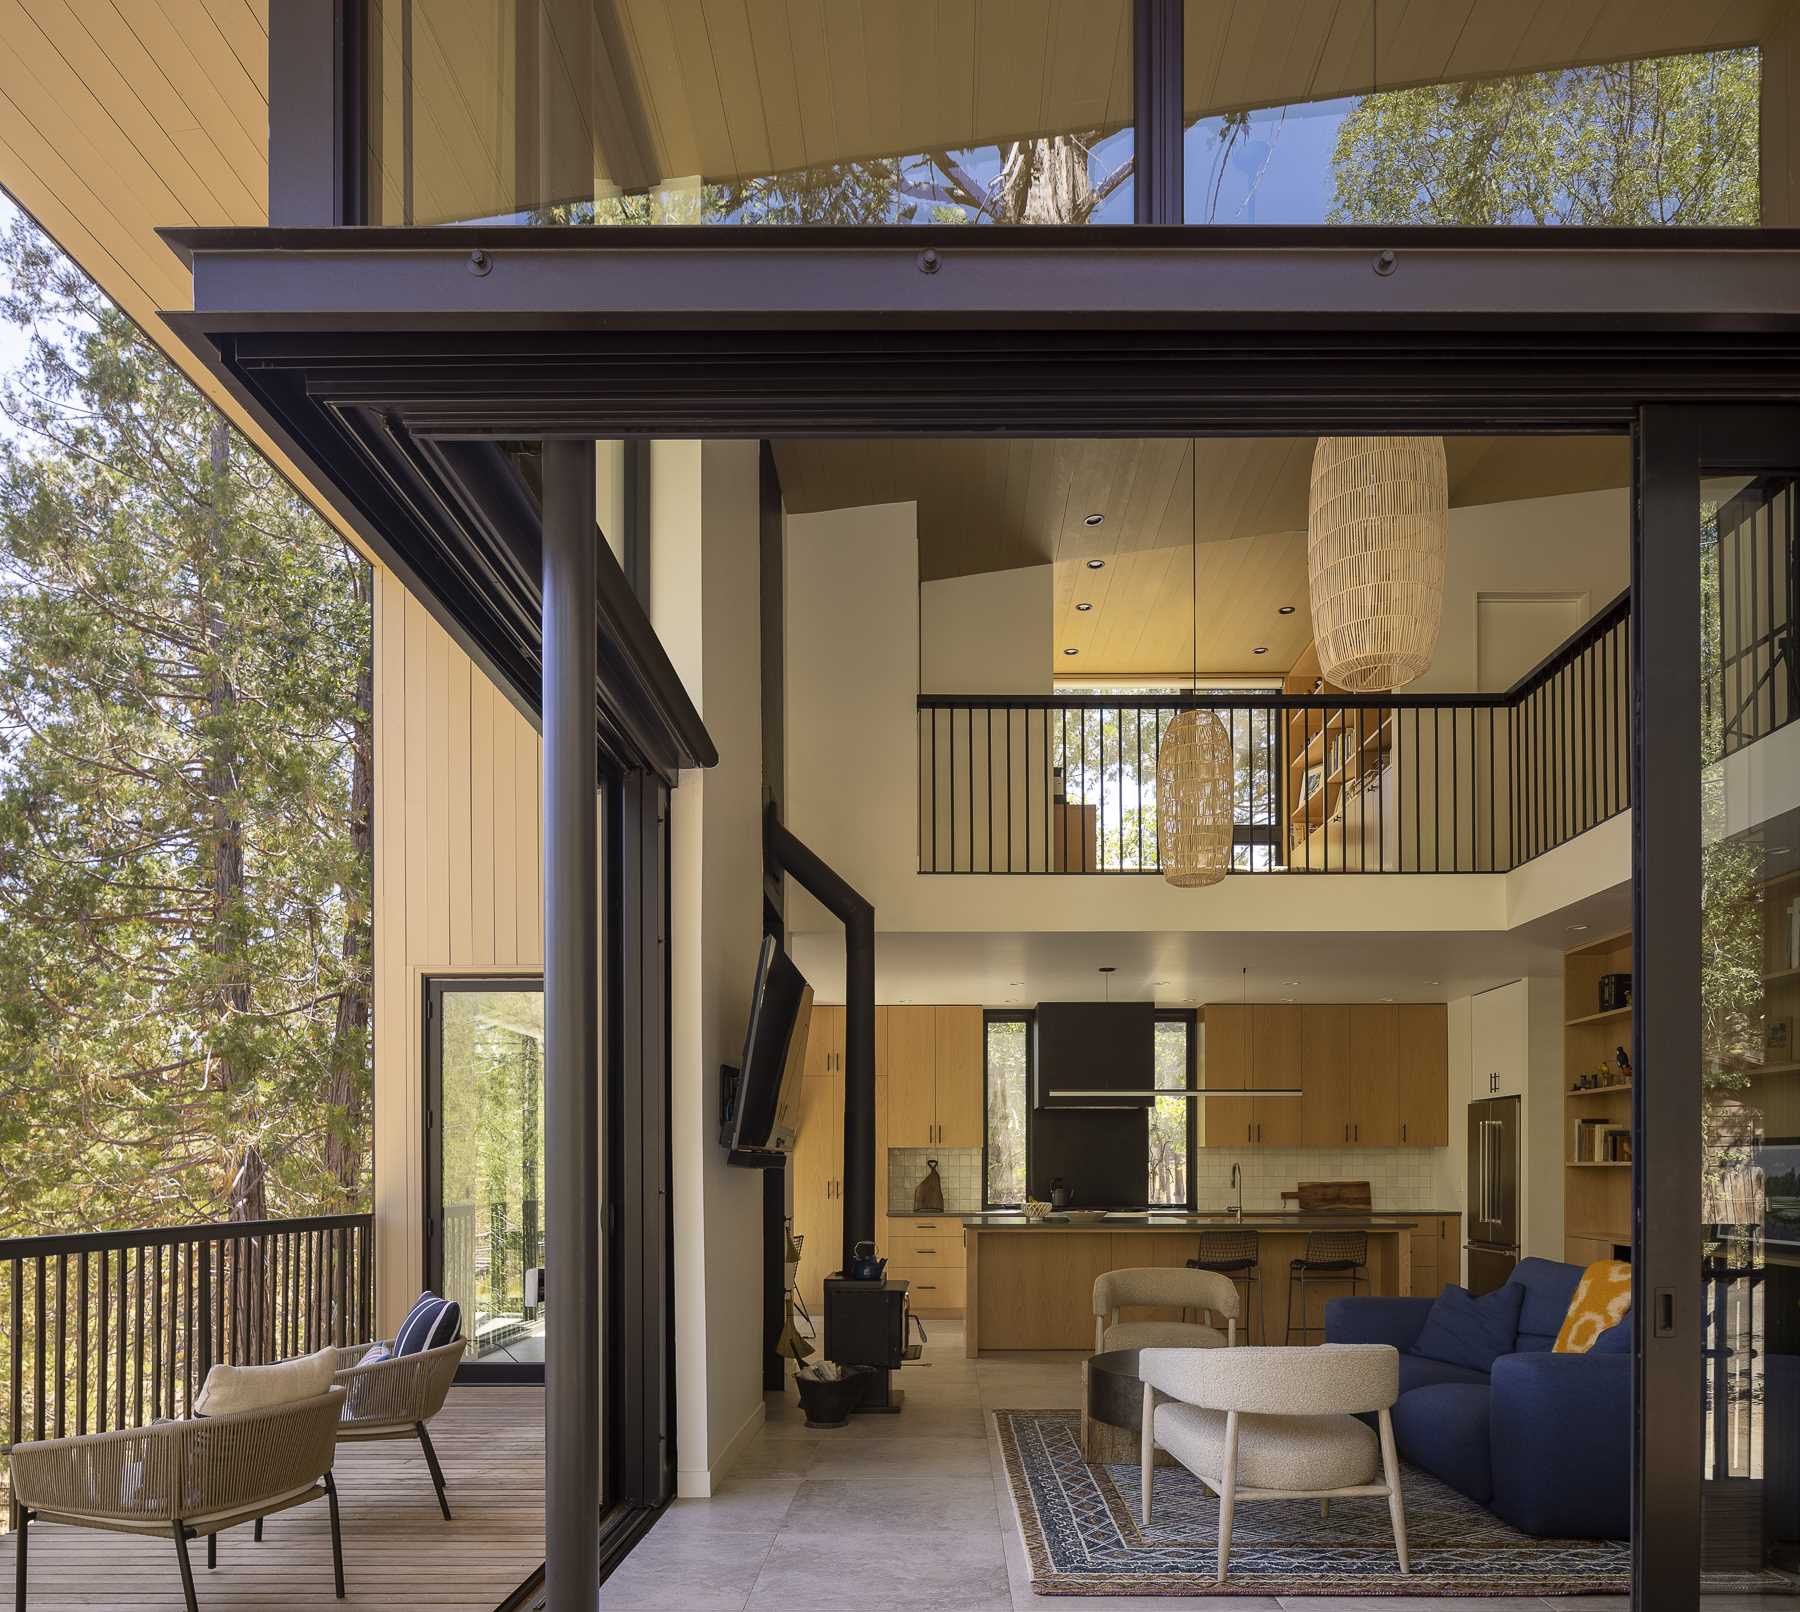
<point x="1597" y="1137"/>
<point x="1338" y="761"/>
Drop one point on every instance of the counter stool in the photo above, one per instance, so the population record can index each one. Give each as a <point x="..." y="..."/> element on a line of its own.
<point x="1330" y="1257"/>
<point x="1237" y="1254"/>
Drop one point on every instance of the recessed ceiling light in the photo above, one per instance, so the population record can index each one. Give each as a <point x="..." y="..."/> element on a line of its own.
<point x="1096" y="565"/>
<point x="1071" y="651"/>
<point x="1777" y="850"/>
<point x="1576" y="929"/>
<point x="1261" y="649"/>
<point x="1290" y="982"/>
<point x="1084" y="605"/>
<point x="1387" y="999"/>
<point x="1434" y="982"/>
<point x="1287" y="999"/>
<point x="1096" y="519"/>
<point x="1108" y="968"/>
<point x="1015" y="982"/>
<point x="1285" y="610"/>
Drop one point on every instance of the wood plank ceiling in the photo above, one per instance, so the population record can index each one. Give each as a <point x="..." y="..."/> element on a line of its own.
<point x="1221" y="520"/>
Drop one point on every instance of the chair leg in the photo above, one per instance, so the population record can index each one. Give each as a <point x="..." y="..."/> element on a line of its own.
<point x="212" y="1552"/>
<point x="259" y="1523"/>
<point x="1146" y="1454"/>
<point x="19" y="1561"/>
<point x="1390" y="1469"/>
<point x="437" y="1472"/>
<point x="337" y="1536"/>
<point x="1228" y="1492"/>
<point x="187" y="1567"/>
<point x="1292" y="1278"/>
<point x="1325" y="1507"/>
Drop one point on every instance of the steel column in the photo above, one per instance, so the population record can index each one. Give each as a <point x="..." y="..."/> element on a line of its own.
<point x="571" y="1029"/>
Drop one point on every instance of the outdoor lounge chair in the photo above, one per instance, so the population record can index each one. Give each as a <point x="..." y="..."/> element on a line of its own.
<point x="394" y="1397"/>
<point x="184" y="1479"/>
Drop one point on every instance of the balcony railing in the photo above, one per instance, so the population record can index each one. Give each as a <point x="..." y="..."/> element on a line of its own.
<point x="114" y="1329"/>
<point x="1325" y="783"/>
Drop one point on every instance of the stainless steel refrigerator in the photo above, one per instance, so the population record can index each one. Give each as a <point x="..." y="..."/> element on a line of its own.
<point x="1493" y="1192"/>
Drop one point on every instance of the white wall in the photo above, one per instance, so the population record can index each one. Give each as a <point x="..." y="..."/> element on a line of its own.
<point x="704" y="580"/>
<point x="987" y="634"/>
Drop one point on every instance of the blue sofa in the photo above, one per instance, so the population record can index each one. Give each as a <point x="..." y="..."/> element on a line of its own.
<point x="1544" y="1441"/>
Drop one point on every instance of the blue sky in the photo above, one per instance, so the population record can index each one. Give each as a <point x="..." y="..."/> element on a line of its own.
<point x="12" y="339"/>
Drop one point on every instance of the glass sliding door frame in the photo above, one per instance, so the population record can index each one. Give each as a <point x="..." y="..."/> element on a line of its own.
<point x="1676" y="444"/>
<point x="437" y="988"/>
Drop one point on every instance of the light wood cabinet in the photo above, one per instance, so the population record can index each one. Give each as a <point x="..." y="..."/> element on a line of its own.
<point x="1423" y="1037"/>
<point x="935" y="1077"/>
<point x="1374" y="1075"/>
<point x="1227" y="1121"/>
<point x="818" y="1166"/>
<point x="1436" y="1254"/>
<point x="1499" y="1023"/>
<point x="936" y="1289"/>
<point x="824" y="1043"/>
<point x="959" y="1076"/>
<point x="1325" y="1074"/>
<point x="912" y="1077"/>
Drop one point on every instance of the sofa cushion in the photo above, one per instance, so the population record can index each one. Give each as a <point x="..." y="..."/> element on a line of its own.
<point x="1615" y="1340"/>
<point x="431" y="1323"/>
<point x="1549" y="1285"/>
<point x="1601" y="1299"/>
<point x="1417" y="1371"/>
<point x="229" y="1389"/>
<point x="1463" y="1330"/>
<point x="1274" y="1452"/>
<point x="1443" y="1427"/>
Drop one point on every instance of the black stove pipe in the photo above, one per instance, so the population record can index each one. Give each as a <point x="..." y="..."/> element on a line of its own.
<point x="786" y="854"/>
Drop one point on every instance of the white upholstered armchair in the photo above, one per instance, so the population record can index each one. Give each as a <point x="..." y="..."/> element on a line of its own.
<point x="1275" y="1424"/>
<point x="1204" y="1293"/>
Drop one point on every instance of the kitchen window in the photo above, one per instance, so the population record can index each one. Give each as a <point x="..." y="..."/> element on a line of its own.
<point x="1008" y="1087"/>
<point x="1171" y="1137"/>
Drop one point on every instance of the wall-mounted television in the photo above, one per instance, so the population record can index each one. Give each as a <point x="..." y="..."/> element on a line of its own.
<point x="767" y="1099"/>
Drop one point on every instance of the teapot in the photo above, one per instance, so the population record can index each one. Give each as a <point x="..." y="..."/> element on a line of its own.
<point x="862" y="1265"/>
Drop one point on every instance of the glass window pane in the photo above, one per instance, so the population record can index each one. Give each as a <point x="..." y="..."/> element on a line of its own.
<point x="1749" y="1004"/>
<point x="1169" y="1116"/>
<point x="491" y="1141"/>
<point x="1376" y="114"/>
<point x="1008" y="1068"/>
<point x="859" y="112"/>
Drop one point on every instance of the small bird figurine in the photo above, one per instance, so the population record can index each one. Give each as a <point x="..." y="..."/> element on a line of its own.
<point x="1624" y="1061"/>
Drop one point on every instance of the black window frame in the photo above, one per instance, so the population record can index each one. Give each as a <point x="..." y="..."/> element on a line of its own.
<point x="1191" y="1018"/>
<point x="435" y="988"/>
<point x="1028" y="1018"/>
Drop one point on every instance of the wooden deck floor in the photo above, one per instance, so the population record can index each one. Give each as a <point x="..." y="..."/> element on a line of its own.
<point x="398" y="1552"/>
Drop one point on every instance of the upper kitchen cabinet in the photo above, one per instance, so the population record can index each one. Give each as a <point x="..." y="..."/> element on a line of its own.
<point x="1227" y="1121"/>
<point x="1325" y="1065"/>
<point x="1423" y="1037"/>
<point x="1374" y="1075"/>
<point x="824" y="1042"/>
<point x="1499" y="1022"/>
<point x="1275" y="1065"/>
<point x="934" y="1077"/>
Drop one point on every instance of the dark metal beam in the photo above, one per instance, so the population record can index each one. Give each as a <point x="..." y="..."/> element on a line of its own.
<point x="1156" y="64"/>
<point x="571" y="1029"/>
<point x="835" y="894"/>
<point x="316" y="113"/>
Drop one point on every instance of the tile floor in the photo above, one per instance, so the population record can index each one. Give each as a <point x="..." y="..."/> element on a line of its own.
<point x="911" y="1512"/>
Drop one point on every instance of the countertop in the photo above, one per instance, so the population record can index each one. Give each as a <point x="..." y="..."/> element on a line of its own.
<point x="1278" y="1220"/>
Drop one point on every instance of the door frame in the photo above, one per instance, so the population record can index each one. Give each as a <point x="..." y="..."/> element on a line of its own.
<point x="434" y="987"/>
<point x="1675" y="442"/>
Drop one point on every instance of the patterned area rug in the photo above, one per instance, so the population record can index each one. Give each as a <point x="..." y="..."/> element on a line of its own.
<point x="1083" y="1536"/>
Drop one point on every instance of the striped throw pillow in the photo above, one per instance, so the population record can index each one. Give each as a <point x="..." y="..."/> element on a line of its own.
<point x="430" y="1324"/>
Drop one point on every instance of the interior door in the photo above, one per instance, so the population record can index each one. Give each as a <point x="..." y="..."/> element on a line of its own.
<point x="1717" y="879"/>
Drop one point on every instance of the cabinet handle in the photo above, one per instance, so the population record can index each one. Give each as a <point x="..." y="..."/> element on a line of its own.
<point x="1356" y="1133"/>
<point x="924" y="1250"/>
<point x="1249" y="1133"/>
<point x="1402" y="1130"/>
<point x="1346" y="1133"/>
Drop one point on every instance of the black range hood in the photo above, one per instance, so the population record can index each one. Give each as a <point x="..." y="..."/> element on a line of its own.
<point x="1095" y="1055"/>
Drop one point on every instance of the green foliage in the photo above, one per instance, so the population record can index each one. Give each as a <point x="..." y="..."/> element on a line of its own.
<point x="184" y="884"/>
<point x="1672" y="140"/>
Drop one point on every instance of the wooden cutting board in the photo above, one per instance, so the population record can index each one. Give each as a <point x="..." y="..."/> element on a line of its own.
<point x="1323" y="1197"/>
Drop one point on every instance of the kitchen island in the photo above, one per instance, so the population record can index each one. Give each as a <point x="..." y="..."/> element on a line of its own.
<point x="1031" y="1283"/>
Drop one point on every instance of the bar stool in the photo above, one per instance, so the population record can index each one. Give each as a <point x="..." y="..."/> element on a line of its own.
<point x="1330" y="1257"/>
<point x="1237" y="1254"/>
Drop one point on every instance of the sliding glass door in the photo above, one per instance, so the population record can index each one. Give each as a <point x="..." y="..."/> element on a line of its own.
<point x="1718" y="993"/>
<point x="484" y="1211"/>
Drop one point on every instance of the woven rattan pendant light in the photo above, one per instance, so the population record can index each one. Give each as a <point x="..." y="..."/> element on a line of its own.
<point x="1377" y="530"/>
<point x="1195" y="783"/>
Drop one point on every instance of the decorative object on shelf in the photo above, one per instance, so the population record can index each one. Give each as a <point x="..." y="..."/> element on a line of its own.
<point x="1196" y="781"/>
<point x="1378" y="521"/>
<point x="928" y="1195"/>
<point x="1195" y="788"/>
<point x="1778" y="1040"/>
<point x="1313" y="782"/>
<point x="1623" y="1059"/>
<point x="1615" y="992"/>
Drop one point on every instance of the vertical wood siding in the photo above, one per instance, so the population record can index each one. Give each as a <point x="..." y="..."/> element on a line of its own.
<point x="458" y="886"/>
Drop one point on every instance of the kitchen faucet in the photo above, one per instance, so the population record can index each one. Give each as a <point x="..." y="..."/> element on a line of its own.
<point x="1237" y="1186"/>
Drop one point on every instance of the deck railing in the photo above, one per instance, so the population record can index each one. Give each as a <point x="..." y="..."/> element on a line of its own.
<point x="1325" y="783"/>
<point x="114" y="1329"/>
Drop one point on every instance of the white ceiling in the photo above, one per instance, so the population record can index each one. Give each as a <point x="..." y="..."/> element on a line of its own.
<point x="1191" y="968"/>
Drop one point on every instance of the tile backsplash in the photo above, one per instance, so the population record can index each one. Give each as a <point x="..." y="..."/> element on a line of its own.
<point x="1399" y="1177"/>
<point x="959" y="1168"/>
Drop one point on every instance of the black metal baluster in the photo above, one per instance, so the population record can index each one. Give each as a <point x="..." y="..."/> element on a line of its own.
<point x="105" y="1342"/>
<point x="81" y="1343"/>
<point x="1009" y="804"/>
<point x="37" y="1339"/>
<point x="15" y="1365"/>
<point x="62" y="1343"/>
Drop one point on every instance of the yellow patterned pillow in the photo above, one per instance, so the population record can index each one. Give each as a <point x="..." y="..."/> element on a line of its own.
<point x="1602" y="1299"/>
